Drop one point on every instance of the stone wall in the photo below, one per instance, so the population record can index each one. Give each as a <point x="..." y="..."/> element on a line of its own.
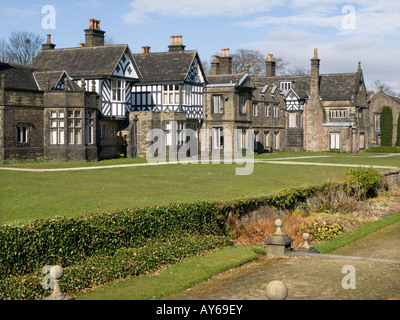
<point x="21" y="108"/>
<point x="392" y="178"/>
<point x="376" y="105"/>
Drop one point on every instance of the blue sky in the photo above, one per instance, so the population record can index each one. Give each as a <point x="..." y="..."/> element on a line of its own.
<point x="343" y="32"/>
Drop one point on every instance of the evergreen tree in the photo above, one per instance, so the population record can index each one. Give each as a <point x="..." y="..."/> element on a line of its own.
<point x="386" y="127"/>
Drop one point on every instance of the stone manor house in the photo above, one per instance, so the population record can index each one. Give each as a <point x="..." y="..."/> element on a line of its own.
<point x="98" y="101"/>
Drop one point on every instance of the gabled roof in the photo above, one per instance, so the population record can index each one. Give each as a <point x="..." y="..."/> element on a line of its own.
<point x="53" y="79"/>
<point x="87" y="62"/>
<point x="18" y="77"/>
<point x="162" y="67"/>
<point x="394" y="98"/>
<point x="333" y="87"/>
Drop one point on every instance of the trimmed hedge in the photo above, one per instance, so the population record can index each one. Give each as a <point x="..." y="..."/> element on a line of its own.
<point x="103" y="269"/>
<point x="67" y="240"/>
<point x="384" y="149"/>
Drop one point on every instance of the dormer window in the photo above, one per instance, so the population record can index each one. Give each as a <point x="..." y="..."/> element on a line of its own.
<point x="286" y="85"/>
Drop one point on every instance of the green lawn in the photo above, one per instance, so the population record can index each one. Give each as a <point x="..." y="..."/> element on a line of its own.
<point x="27" y="196"/>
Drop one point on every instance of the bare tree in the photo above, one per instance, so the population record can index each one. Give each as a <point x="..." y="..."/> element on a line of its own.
<point x="378" y="86"/>
<point x="3" y="50"/>
<point x="20" y="48"/>
<point x="281" y="66"/>
<point x="253" y="62"/>
<point x="249" y="61"/>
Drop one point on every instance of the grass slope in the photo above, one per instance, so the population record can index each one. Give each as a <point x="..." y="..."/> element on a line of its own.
<point x="175" y="278"/>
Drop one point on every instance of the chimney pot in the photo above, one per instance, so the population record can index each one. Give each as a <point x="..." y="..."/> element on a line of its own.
<point x="146" y="49"/>
<point x="316" y="53"/>
<point x="49" y="38"/>
<point x="270" y="57"/>
<point x="176" y="44"/>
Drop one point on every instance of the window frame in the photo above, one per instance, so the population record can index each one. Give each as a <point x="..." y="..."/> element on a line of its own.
<point x="377" y="123"/>
<point x="58" y="128"/>
<point x="74" y="127"/>
<point x="255" y="109"/>
<point x="242" y="104"/>
<point x="171" y="94"/>
<point x="23" y="134"/>
<point x="220" y="99"/>
<point x="117" y="90"/>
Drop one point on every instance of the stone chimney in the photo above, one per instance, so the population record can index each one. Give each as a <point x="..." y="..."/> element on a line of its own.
<point x="48" y="45"/>
<point x="176" y="44"/>
<point x="314" y="85"/>
<point x="313" y="111"/>
<point x="215" y="66"/>
<point x="146" y="49"/>
<point x="270" y="66"/>
<point x="94" y="37"/>
<point x="225" y="62"/>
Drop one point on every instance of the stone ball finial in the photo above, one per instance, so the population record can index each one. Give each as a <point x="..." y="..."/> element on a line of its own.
<point x="306" y="237"/>
<point x="56" y="272"/>
<point x="276" y="290"/>
<point x="278" y="224"/>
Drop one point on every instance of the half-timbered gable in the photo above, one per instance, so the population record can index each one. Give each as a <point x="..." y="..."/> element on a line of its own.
<point x="176" y="84"/>
<point x="108" y="70"/>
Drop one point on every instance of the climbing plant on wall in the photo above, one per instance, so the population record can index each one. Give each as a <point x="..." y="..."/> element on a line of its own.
<point x="386" y="126"/>
<point x="398" y="131"/>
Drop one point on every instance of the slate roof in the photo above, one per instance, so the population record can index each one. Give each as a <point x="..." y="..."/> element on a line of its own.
<point x="162" y="67"/>
<point x="333" y="87"/>
<point x="87" y="62"/>
<point x="396" y="99"/>
<point x="236" y="79"/>
<point x="18" y="77"/>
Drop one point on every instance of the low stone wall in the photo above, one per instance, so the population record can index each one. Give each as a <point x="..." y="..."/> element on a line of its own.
<point x="392" y="178"/>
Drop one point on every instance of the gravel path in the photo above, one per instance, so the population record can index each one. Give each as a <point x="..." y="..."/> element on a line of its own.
<point x="317" y="278"/>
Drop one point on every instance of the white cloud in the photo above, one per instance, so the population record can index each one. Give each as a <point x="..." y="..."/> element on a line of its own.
<point x="16" y="12"/>
<point x="142" y="9"/>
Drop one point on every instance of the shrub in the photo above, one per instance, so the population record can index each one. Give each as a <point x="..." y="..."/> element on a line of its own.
<point x="321" y="230"/>
<point x="363" y="182"/>
<point x="386" y="126"/>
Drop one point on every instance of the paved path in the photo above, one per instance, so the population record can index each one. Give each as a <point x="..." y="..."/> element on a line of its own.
<point x="274" y="161"/>
<point x="317" y="278"/>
